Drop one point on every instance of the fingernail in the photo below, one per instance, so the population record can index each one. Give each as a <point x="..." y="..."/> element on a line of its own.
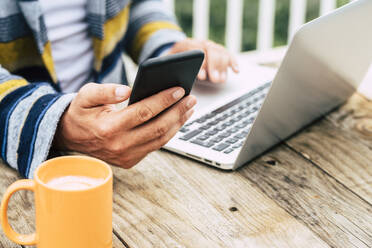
<point x="189" y="113"/>
<point x="202" y="74"/>
<point x="236" y="68"/>
<point x="223" y="76"/>
<point x="191" y="102"/>
<point x="178" y="94"/>
<point x="120" y="91"/>
<point x="216" y="75"/>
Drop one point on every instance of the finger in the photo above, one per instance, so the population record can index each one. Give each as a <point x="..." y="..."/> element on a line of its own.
<point x="142" y="111"/>
<point x="139" y="151"/>
<point x="234" y="64"/>
<point x="93" y="95"/>
<point x="173" y="117"/>
<point x="159" y="142"/>
<point x="202" y="75"/>
<point x="217" y="64"/>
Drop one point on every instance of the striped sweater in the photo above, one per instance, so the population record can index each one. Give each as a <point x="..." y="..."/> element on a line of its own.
<point x="31" y="102"/>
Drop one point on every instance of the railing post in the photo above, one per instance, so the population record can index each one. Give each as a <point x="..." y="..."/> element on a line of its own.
<point x="234" y="25"/>
<point x="266" y="18"/>
<point x="170" y="5"/>
<point x="297" y="16"/>
<point x="200" y="25"/>
<point x="327" y="6"/>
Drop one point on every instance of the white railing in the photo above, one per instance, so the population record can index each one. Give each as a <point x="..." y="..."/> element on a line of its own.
<point x="266" y="19"/>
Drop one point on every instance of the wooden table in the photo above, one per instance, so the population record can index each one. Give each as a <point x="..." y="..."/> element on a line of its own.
<point x="314" y="190"/>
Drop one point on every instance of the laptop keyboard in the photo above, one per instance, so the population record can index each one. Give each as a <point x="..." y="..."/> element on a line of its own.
<point x="224" y="129"/>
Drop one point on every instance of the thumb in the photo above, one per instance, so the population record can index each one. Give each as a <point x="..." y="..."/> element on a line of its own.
<point x="93" y="95"/>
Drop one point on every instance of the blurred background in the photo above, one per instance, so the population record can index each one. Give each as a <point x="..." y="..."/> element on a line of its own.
<point x="264" y="27"/>
<point x="218" y="11"/>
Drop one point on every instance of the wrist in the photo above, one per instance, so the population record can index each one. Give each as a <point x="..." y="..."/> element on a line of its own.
<point x="59" y="141"/>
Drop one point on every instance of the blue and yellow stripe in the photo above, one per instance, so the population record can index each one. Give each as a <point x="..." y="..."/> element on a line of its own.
<point x="31" y="103"/>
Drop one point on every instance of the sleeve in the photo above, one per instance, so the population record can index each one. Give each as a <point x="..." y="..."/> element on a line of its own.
<point x="29" y="115"/>
<point x="151" y="28"/>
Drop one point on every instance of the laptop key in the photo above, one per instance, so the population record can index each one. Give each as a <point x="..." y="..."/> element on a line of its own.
<point x="229" y="114"/>
<point x="205" y="127"/>
<point x="211" y="133"/>
<point x="221" y="147"/>
<point x="232" y="140"/>
<point x="191" y="134"/>
<point x="201" y="120"/>
<point x="241" y="125"/>
<point x="246" y="122"/>
<point x="184" y="130"/>
<point x="245" y="132"/>
<point x="213" y="123"/>
<point x="227" y="151"/>
<point x="248" y="112"/>
<point x="224" y="135"/>
<point x="240" y="136"/>
<point x="233" y="130"/>
<point x="208" y="116"/>
<point x="216" y="140"/>
<point x="220" y="128"/>
<point x="203" y="143"/>
<point x="202" y="137"/>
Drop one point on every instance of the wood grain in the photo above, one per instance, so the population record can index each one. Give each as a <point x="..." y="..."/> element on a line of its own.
<point x="328" y="208"/>
<point x="169" y="201"/>
<point x="313" y="191"/>
<point x="341" y="144"/>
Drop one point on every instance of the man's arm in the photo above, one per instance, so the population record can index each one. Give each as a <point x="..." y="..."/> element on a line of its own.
<point x="151" y="27"/>
<point x="29" y="115"/>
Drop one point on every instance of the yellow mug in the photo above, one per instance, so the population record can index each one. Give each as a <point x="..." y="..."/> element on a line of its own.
<point x="78" y="218"/>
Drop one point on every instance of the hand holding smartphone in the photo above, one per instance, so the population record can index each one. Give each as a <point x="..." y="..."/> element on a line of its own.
<point x="158" y="74"/>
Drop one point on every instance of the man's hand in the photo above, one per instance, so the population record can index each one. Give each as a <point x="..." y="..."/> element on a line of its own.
<point x="217" y="59"/>
<point x="94" y="126"/>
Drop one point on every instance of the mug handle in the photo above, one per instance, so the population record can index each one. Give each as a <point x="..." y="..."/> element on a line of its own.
<point x="22" y="239"/>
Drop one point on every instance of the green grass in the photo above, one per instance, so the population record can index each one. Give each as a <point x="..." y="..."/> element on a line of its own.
<point x="217" y="19"/>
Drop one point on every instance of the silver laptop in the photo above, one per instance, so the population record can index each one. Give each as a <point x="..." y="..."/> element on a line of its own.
<point x="324" y="64"/>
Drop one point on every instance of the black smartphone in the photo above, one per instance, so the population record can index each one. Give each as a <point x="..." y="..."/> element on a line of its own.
<point x="158" y="74"/>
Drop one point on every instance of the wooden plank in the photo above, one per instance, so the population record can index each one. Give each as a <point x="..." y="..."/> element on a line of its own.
<point x="169" y="201"/>
<point x="21" y="212"/>
<point x="200" y="19"/>
<point x="341" y="145"/>
<point x="234" y="25"/>
<point x="266" y="19"/>
<point x="328" y="208"/>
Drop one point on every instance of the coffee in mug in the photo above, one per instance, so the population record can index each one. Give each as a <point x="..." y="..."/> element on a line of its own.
<point x="74" y="182"/>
